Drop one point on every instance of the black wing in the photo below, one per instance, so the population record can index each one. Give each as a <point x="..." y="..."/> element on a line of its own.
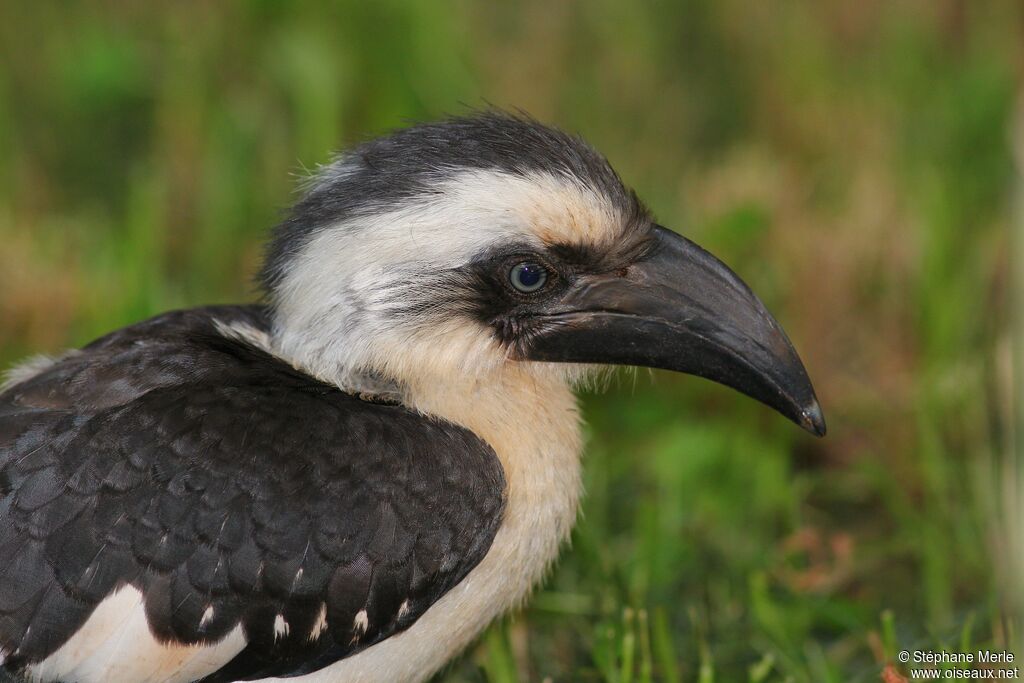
<point x="207" y="473"/>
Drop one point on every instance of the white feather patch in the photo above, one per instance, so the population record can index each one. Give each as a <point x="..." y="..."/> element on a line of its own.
<point x="361" y="622"/>
<point x="30" y="367"/>
<point x="244" y="332"/>
<point x="321" y="622"/>
<point x="281" y="627"/>
<point x="115" y="644"/>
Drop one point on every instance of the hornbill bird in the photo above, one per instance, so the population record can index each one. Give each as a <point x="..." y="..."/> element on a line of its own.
<point x="350" y="481"/>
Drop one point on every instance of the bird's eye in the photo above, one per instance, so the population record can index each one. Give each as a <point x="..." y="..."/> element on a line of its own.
<point x="528" y="277"/>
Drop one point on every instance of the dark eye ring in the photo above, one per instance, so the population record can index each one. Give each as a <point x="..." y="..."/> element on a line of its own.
<point x="528" y="277"/>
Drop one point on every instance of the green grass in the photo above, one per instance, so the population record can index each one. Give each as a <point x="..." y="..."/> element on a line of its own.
<point x="850" y="159"/>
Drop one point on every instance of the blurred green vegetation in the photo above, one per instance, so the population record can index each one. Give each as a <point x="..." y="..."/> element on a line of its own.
<point x="850" y="158"/>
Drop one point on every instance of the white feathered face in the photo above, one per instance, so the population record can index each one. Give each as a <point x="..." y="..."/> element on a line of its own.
<point x="450" y="252"/>
<point x="441" y="283"/>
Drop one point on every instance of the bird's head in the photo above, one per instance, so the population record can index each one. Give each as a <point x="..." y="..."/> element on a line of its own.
<point x="450" y="251"/>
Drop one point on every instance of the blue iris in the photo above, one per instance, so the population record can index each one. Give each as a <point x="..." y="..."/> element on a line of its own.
<point x="528" y="277"/>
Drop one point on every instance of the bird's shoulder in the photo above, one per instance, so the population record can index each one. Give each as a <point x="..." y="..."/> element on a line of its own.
<point x="229" y="488"/>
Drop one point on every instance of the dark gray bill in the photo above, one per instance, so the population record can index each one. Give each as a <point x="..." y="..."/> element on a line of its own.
<point x="680" y="308"/>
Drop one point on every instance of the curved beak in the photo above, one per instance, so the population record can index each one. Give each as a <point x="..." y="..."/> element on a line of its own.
<point x="680" y="308"/>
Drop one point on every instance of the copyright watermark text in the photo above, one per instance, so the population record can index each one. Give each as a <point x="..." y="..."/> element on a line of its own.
<point x="978" y="665"/>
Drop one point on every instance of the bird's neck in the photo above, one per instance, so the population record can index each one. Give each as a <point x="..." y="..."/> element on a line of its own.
<point x="525" y="411"/>
<point x="532" y="422"/>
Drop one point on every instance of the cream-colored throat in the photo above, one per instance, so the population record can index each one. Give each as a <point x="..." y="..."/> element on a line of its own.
<point x="532" y="422"/>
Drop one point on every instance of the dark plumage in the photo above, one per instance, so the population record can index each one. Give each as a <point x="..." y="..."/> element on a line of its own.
<point x="205" y="472"/>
